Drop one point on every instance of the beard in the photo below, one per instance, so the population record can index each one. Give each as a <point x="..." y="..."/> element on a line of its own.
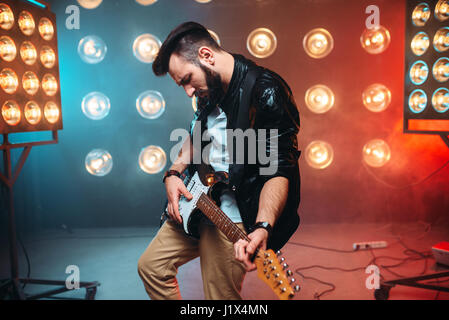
<point x="215" y="90"/>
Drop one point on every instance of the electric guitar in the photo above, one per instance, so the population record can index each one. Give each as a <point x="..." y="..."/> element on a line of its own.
<point x="206" y="186"/>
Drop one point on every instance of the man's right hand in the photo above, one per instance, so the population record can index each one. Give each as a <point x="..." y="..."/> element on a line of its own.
<point x="175" y="188"/>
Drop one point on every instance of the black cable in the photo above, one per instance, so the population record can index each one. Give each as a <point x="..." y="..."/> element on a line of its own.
<point x="406" y="186"/>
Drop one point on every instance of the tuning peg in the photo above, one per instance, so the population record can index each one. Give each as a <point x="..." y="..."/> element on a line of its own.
<point x="279" y="252"/>
<point x="289" y="273"/>
<point x="276" y="275"/>
<point x="282" y="259"/>
<point x="284" y="266"/>
<point x="266" y="254"/>
<point x="292" y="280"/>
<point x="296" y="288"/>
<point x="280" y="282"/>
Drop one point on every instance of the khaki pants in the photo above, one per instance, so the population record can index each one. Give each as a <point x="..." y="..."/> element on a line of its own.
<point x="171" y="248"/>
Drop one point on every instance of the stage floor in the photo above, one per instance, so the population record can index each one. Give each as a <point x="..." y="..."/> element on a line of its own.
<point x="110" y="256"/>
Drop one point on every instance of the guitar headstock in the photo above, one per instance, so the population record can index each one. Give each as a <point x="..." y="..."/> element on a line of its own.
<point x="273" y="271"/>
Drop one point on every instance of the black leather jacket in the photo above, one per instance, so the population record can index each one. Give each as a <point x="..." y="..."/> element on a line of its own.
<point x="272" y="107"/>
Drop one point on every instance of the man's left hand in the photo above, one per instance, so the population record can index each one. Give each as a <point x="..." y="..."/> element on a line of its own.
<point x="244" y="250"/>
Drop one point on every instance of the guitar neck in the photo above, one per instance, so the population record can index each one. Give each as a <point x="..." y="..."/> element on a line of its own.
<point x="220" y="219"/>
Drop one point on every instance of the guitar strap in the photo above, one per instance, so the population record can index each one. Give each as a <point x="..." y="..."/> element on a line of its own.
<point x="243" y="121"/>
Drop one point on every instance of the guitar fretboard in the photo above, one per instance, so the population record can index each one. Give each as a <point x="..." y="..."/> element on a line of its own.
<point x="220" y="219"/>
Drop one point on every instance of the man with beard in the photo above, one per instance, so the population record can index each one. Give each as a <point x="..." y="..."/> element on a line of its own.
<point x="264" y="206"/>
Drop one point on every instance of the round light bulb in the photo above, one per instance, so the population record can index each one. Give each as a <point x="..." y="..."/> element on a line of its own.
<point x="49" y="85"/>
<point x="30" y="82"/>
<point x="421" y="14"/>
<point x="319" y="98"/>
<point x="319" y="154"/>
<point x="98" y="162"/>
<point x="150" y="104"/>
<point x="417" y="101"/>
<point x="48" y="57"/>
<point x="9" y="81"/>
<point x="376" y="153"/>
<point x="442" y="10"/>
<point x="375" y="40"/>
<point x="261" y="42"/>
<point x="92" y="49"/>
<point x="28" y="53"/>
<point x="6" y="17"/>
<point x="33" y="113"/>
<point x="96" y="105"/>
<point x="376" y="97"/>
<point x="46" y="29"/>
<point x="51" y="112"/>
<point x="318" y="43"/>
<point x="26" y="23"/>
<point x="440" y="100"/>
<point x="152" y="159"/>
<point x="214" y="36"/>
<point x="146" y="47"/>
<point x="440" y="69"/>
<point x="420" y="43"/>
<point x="11" y="113"/>
<point x="419" y="72"/>
<point x="8" y="49"/>
<point x="146" y="2"/>
<point x="90" y="4"/>
<point x="441" y="40"/>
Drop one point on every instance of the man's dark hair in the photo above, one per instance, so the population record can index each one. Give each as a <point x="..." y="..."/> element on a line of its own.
<point x="184" y="40"/>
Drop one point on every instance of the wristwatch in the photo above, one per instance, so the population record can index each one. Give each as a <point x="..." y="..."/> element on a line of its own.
<point x="264" y="225"/>
<point x="169" y="173"/>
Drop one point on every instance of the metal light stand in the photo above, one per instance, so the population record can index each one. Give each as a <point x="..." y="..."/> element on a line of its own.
<point x="13" y="285"/>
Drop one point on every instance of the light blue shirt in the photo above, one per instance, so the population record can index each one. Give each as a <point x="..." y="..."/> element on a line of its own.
<point x="219" y="159"/>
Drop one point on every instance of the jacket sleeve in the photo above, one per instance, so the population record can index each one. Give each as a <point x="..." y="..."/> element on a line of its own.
<point x="277" y="114"/>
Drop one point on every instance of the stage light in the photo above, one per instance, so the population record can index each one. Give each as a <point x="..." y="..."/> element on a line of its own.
<point x="318" y="43"/>
<point x="49" y="85"/>
<point x="376" y="153"/>
<point x="421" y="14"/>
<point x="96" y="105"/>
<point x="98" y="162"/>
<point x="28" y="53"/>
<point x="33" y="113"/>
<point x="26" y="23"/>
<point x="92" y="49"/>
<point x="90" y="4"/>
<point x="440" y="100"/>
<point x="319" y="154"/>
<point x="51" y="112"/>
<point x="441" y="39"/>
<point x="214" y="36"/>
<point x="48" y="57"/>
<point x="146" y="47"/>
<point x="375" y="40"/>
<point x="376" y="97"/>
<point x="440" y="69"/>
<point x="30" y="82"/>
<point x="150" y="104"/>
<point x="9" y="81"/>
<point x="442" y="10"/>
<point x="146" y="2"/>
<point x="152" y="159"/>
<point x="261" y="43"/>
<point x="419" y="72"/>
<point x="417" y="101"/>
<point x="6" y="17"/>
<point x="203" y="1"/>
<point x="319" y="98"/>
<point x="8" y="49"/>
<point x="46" y="29"/>
<point x="11" y="112"/>
<point x="420" y="43"/>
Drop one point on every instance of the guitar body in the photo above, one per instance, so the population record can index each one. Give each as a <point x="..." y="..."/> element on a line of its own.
<point x="205" y="180"/>
<point x="206" y="187"/>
